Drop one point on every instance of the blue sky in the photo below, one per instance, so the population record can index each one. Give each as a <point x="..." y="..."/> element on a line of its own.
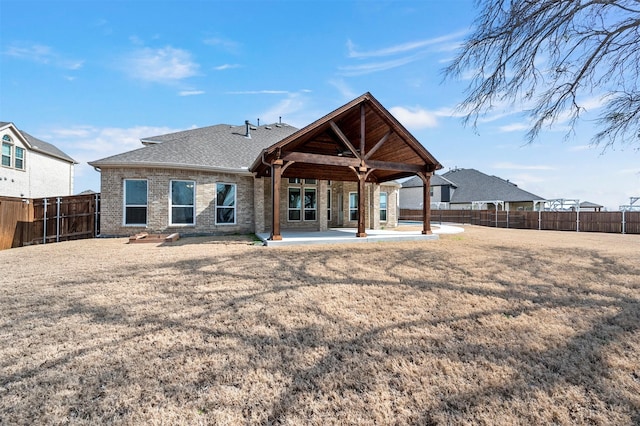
<point x="93" y="77"/>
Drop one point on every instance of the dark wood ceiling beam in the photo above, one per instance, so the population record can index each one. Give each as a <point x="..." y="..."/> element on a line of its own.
<point x="400" y="167"/>
<point x="328" y="160"/>
<point x="343" y="138"/>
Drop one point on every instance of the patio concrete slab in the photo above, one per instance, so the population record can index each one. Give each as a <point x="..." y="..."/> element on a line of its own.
<point x="348" y="235"/>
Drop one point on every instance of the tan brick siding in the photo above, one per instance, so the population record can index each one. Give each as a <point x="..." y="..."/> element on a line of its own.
<point x="112" y="181"/>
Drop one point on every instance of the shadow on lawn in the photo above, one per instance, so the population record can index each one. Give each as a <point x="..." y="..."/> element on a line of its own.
<point x="329" y="348"/>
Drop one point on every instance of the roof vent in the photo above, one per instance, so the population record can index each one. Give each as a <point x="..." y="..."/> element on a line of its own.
<point x="247" y="132"/>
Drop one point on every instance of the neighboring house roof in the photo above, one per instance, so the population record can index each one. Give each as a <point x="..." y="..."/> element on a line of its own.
<point x="219" y="147"/>
<point x="436" y="180"/>
<point x="39" y="145"/>
<point x="590" y="205"/>
<point x="473" y="185"/>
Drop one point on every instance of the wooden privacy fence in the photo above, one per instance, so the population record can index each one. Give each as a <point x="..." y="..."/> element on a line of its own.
<point x="625" y="222"/>
<point x="47" y="220"/>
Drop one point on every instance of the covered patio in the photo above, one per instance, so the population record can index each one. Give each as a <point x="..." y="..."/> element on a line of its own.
<point x="359" y="142"/>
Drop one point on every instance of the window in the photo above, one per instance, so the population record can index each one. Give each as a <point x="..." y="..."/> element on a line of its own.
<point x="328" y="204"/>
<point x="310" y="204"/>
<point x="310" y="182"/>
<point x="19" y="158"/>
<point x="6" y="153"/>
<point x="383" y="206"/>
<point x="183" y="206"/>
<point x="353" y="206"/>
<point x="295" y="180"/>
<point x="295" y="204"/>
<point x="225" y="204"/>
<point x="431" y="191"/>
<point x="135" y="202"/>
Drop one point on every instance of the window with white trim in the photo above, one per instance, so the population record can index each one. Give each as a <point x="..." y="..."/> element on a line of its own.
<point x="7" y="150"/>
<point x="328" y="204"/>
<point x="182" y="210"/>
<point x="383" y="206"/>
<point x="19" y="160"/>
<point x="353" y="206"/>
<point x="225" y="204"/>
<point x="135" y="202"/>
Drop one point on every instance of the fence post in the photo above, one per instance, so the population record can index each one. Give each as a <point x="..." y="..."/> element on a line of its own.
<point x="539" y="220"/>
<point x="623" y="222"/>
<point x="95" y="222"/>
<point x="44" y="222"/>
<point x="578" y="219"/>
<point x="57" y="219"/>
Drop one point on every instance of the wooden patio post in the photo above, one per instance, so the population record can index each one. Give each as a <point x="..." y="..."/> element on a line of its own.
<point x="361" y="204"/>
<point x="276" y="178"/>
<point x="426" y="202"/>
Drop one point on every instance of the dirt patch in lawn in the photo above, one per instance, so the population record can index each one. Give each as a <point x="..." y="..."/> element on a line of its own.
<point x="491" y="326"/>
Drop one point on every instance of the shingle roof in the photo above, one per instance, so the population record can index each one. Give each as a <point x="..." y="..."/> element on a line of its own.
<point x="215" y="147"/>
<point x="39" y="145"/>
<point x="473" y="185"/>
<point x="46" y="148"/>
<point x="436" y="180"/>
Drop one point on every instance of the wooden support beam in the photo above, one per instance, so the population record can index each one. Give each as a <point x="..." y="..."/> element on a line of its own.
<point x="363" y="131"/>
<point x="328" y="160"/>
<point x="361" y="205"/>
<point x="400" y="167"/>
<point x="378" y="145"/>
<point x="426" y="202"/>
<point x="343" y="138"/>
<point x="276" y="177"/>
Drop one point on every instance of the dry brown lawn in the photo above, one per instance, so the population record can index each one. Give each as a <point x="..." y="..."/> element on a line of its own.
<point x="485" y="327"/>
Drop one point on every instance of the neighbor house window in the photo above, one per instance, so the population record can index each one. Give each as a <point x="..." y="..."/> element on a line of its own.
<point x="183" y="205"/>
<point x="19" y="158"/>
<point x="383" y="206"/>
<point x="7" y="147"/>
<point x="328" y="204"/>
<point x="310" y="204"/>
<point x="353" y="206"/>
<point x="135" y="202"/>
<point x="295" y="204"/>
<point x="225" y="204"/>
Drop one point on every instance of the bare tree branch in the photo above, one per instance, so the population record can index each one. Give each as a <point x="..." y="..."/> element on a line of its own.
<point x="555" y="54"/>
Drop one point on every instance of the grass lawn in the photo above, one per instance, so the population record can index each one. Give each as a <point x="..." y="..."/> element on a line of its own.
<point x="491" y="326"/>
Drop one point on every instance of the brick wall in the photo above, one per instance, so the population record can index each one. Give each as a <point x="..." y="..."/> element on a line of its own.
<point x="112" y="181"/>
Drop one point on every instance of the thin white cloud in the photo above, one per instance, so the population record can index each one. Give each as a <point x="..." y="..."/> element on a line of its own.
<point x="345" y="90"/>
<point x="357" y="70"/>
<point x="191" y="92"/>
<point x="223" y="43"/>
<point x="514" y="166"/>
<point x="404" y="47"/>
<point x="414" y="118"/>
<point x="515" y="127"/>
<point x="227" y="67"/>
<point x="42" y="54"/>
<point x="258" y="92"/>
<point x="162" y="65"/>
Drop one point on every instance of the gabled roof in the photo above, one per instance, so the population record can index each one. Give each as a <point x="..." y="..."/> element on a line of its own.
<point x="436" y="180"/>
<point x="473" y="185"/>
<point x="330" y="147"/>
<point x="38" y="145"/>
<point x="219" y="147"/>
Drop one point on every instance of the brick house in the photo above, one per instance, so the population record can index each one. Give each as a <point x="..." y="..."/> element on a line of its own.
<point x="223" y="179"/>
<point x="33" y="168"/>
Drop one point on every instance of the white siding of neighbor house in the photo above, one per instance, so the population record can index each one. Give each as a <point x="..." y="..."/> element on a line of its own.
<point x="43" y="176"/>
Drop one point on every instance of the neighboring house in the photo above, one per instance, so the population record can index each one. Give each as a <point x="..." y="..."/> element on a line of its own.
<point x="588" y="206"/>
<point x="32" y="168"/>
<point x="224" y="178"/>
<point x="464" y="189"/>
